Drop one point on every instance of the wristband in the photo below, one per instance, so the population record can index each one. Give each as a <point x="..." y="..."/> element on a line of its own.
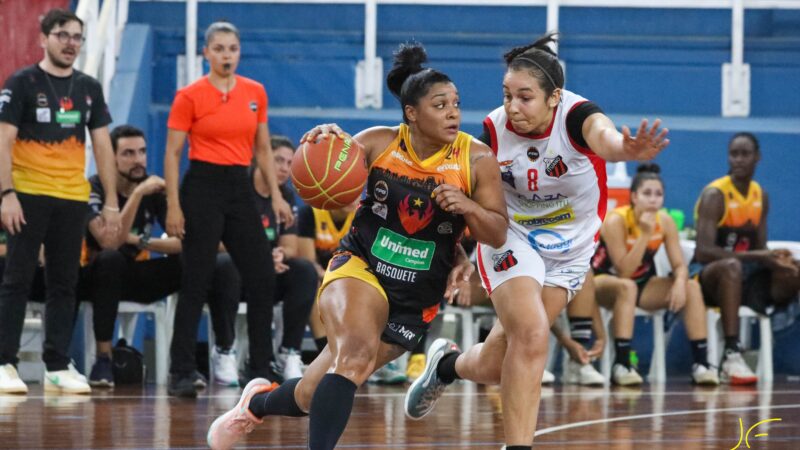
<point x="110" y="208"/>
<point x="7" y="191"/>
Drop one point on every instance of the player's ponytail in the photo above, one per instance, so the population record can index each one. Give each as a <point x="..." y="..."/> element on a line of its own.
<point x="540" y="60"/>
<point x="408" y="80"/>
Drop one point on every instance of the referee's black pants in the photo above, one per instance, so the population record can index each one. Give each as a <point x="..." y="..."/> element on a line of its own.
<point x="218" y="204"/>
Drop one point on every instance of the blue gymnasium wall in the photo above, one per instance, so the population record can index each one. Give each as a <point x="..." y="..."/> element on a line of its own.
<point x="633" y="62"/>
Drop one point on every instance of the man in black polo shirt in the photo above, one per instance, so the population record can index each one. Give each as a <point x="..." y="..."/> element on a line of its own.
<point x="44" y="112"/>
<point x="121" y="267"/>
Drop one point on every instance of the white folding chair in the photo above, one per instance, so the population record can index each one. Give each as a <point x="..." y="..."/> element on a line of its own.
<point x="127" y="316"/>
<point x="468" y="321"/>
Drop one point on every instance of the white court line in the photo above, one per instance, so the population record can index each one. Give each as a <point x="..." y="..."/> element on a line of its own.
<point x="666" y="414"/>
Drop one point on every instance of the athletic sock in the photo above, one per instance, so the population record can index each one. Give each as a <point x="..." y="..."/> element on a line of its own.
<point x="446" y="370"/>
<point x="330" y="410"/>
<point x="580" y="330"/>
<point x="699" y="351"/>
<point x="321" y="343"/>
<point x="279" y="402"/>
<point x="732" y="343"/>
<point x="623" y="351"/>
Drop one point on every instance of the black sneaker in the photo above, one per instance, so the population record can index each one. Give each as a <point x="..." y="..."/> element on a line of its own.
<point x="182" y="385"/>
<point x="101" y="375"/>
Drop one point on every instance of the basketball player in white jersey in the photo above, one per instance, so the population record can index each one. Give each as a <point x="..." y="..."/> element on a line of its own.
<point x="552" y="146"/>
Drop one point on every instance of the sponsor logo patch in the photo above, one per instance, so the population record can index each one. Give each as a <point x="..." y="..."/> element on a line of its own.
<point x="508" y="177"/>
<point x="504" y="261"/>
<point x="253" y="106"/>
<point x="445" y="228"/>
<point x="380" y="210"/>
<point x="41" y="100"/>
<point x="339" y="260"/>
<point x="533" y="153"/>
<point x="549" y="241"/>
<point x="563" y="215"/>
<point x="403" y="251"/>
<point x="43" y="115"/>
<point x="381" y="191"/>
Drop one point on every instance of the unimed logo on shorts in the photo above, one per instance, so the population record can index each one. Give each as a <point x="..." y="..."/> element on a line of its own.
<point x="402" y="251"/>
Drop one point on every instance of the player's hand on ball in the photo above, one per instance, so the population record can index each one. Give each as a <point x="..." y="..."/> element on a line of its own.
<point x="321" y="132"/>
<point x="452" y="199"/>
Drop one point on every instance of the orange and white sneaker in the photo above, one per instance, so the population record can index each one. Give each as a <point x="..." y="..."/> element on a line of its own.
<point x="232" y="426"/>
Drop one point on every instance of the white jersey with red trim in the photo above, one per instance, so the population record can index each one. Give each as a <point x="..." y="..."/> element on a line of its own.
<point x="555" y="188"/>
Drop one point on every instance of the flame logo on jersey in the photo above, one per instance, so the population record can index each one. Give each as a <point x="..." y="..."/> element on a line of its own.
<point x="412" y="217"/>
<point x="66" y="103"/>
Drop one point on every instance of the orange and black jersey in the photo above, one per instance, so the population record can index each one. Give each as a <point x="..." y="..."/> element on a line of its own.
<point x="51" y="114"/>
<point x="737" y="229"/>
<point x="601" y="261"/>
<point x="407" y="240"/>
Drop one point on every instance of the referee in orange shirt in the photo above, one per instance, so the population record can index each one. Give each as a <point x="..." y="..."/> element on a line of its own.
<point x="224" y="117"/>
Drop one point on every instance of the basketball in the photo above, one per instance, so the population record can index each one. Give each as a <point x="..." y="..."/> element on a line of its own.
<point x="330" y="173"/>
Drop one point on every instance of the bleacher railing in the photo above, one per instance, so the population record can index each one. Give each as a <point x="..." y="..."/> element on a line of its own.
<point x="103" y="28"/>
<point x="735" y="74"/>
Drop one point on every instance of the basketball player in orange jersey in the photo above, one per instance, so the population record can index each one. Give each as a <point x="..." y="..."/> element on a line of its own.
<point x="625" y="261"/>
<point x="427" y="181"/>
<point x="224" y="117"/>
<point x="551" y="145"/>
<point x="731" y="259"/>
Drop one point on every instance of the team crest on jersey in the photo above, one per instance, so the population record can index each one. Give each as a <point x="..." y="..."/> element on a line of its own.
<point x="504" y="261"/>
<point x="414" y="214"/>
<point x="253" y="106"/>
<point x="41" y="100"/>
<point x="555" y="167"/>
<point x="533" y="153"/>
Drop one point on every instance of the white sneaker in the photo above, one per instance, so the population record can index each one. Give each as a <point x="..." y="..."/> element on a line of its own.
<point x="289" y="363"/>
<point x="68" y="381"/>
<point x="225" y="368"/>
<point x="704" y="375"/>
<point x="625" y="376"/>
<point x="548" y="377"/>
<point x="10" y="382"/>
<point x="735" y="371"/>
<point x="388" y="374"/>
<point x="582" y="374"/>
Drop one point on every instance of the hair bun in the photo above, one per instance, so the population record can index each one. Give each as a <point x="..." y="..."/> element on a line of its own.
<point x="411" y="56"/>
<point x="648" y="168"/>
<point x="408" y="60"/>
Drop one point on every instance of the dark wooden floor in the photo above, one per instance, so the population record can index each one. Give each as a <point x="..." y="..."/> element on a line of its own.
<point x="677" y="416"/>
